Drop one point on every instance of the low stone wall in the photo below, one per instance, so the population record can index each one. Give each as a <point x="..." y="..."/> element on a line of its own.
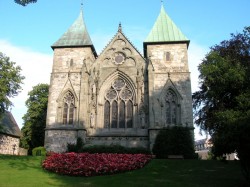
<point x="123" y="141"/>
<point x="9" y="145"/>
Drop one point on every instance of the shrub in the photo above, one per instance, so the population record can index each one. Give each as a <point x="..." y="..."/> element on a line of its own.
<point x="77" y="148"/>
<point x="39" y="151"/>
<point x="174" y="141"/>
<point x="85" y="164"/>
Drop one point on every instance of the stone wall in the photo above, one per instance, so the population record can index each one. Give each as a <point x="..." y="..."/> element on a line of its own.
<point x="168" y="69"/>
<point x="9" y="145"/>
<point x="57" y="140"/>
<point x="123" y="141"/>
<point x="90" y="79"/>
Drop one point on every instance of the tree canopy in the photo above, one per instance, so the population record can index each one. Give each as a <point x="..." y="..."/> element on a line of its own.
<point x="25" y="2"/>
<point x="222" y="105"/>
<point x="35" y="118"/>
<point x="10" y="81"/>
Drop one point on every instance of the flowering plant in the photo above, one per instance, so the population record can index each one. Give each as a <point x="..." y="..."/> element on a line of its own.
<point x="86" y="164"/>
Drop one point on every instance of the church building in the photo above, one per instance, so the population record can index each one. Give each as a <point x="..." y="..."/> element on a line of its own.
<point x="119" y="97"/>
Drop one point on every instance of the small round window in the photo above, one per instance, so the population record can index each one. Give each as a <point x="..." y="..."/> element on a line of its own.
<point x="119" y="58"/>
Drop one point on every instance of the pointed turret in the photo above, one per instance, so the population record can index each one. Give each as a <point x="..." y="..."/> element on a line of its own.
<point x="165" y="31"/>
<point x="76" y="36"/>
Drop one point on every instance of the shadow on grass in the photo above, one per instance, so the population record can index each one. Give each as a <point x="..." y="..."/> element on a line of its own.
<point x="27" y="171"/>
<point x="174" y="173"/>
<point x="22" y="162"/>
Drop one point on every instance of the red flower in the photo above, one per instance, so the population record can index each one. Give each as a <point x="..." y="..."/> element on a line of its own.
<point x="85" y="164"/>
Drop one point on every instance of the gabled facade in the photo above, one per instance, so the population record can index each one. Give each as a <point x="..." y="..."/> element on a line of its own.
<point x="121" y="96"/>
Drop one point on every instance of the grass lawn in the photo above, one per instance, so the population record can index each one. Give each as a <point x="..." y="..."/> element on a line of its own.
<point x="26" y="171"/>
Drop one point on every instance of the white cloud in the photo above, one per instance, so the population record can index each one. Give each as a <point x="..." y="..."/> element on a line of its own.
<point x="36" y="68"/>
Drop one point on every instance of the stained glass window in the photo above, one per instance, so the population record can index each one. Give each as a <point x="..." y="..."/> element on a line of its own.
<point x="71" y="113"/>
<point x="122" y="115"/>
<point x="68" y="108"/>
<point x="65" y="113"/>
<point x="114" y="115"/>
<point x="106" y="114"/>
<point x="174" y="113"/>
<point x="168" y="113"/>
<point x="129" y="114"/>
<point x="171" y="108"/>
<point x="118" y="105"/>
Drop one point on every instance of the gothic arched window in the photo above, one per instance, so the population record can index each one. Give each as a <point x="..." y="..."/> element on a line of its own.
<point x="171" y="108"/>
<point x="118" y="107"/>
<point x="68" y="108"/>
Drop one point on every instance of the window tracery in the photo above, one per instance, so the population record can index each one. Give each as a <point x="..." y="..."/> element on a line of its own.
<point x="118" y="107"/>
<point x="171" y="108"/>
<point x="68" y="108"/>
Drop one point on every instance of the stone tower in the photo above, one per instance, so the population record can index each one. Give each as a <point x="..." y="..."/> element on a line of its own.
<point x="119" y="97"/>
<point x="169" y="84"/>
<point x="71" y="52"/>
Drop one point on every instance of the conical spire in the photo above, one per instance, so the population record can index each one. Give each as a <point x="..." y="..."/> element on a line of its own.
<point x="76" y="35"/>
<point x="165" y="30"/>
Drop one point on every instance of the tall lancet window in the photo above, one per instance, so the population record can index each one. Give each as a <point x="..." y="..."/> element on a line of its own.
<point x="171" y="108"/>
<point x="68" y="108"/>
<point x="118" y="107"/>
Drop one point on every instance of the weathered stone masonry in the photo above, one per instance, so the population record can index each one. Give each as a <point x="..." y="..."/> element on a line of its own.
<point x="119" y="97"/>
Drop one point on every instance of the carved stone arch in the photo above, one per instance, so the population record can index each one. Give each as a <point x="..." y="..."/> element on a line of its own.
<point x="117" y="101"/>
<point x="106" y="83"/>
<point x="131" y="61"/>
<point x="67" y="87"/>
<point x="60" y="97"/>
<point x="119" y="41"/>
<point x="128" y="51"/>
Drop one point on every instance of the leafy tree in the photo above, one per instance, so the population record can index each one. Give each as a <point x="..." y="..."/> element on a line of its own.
<point x="10" y="82"/>
<point x="35" y="118"/>
<point x="222" y="105"/>
<point x="25" y="2"/>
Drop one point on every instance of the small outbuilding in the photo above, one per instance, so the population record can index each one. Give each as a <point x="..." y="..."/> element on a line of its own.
<point x="10" y="135"/>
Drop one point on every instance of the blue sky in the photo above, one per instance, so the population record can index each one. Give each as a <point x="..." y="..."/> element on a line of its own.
<point x="27" y="33"/>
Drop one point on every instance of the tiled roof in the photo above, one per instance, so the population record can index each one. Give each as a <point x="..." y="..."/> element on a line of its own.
<point x="8" y="125"/>
<point x="76" y="35"/>
<point x="165" y="30"/>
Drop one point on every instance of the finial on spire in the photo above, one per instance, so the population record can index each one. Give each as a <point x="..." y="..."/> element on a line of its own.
<point x="120" y="27"/>
<point x="81" y="4"/>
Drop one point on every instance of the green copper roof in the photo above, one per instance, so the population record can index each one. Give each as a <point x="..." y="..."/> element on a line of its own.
<point x="165" y="30"/>
<point x="76" y="35"/>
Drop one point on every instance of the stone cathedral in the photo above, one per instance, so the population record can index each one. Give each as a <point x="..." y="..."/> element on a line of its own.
<point x="119" y="96"/>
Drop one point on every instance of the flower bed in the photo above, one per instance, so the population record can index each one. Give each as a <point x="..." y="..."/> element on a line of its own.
<point x="85" y="164"/>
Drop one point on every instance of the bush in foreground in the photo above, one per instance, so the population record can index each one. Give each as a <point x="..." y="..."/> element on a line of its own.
<point x="174" y="141"/>
<point x="86" y="164"/>
<point x="39" y="151"/>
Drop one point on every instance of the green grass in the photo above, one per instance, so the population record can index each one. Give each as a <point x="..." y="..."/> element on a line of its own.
<point x="26" y="171"/>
